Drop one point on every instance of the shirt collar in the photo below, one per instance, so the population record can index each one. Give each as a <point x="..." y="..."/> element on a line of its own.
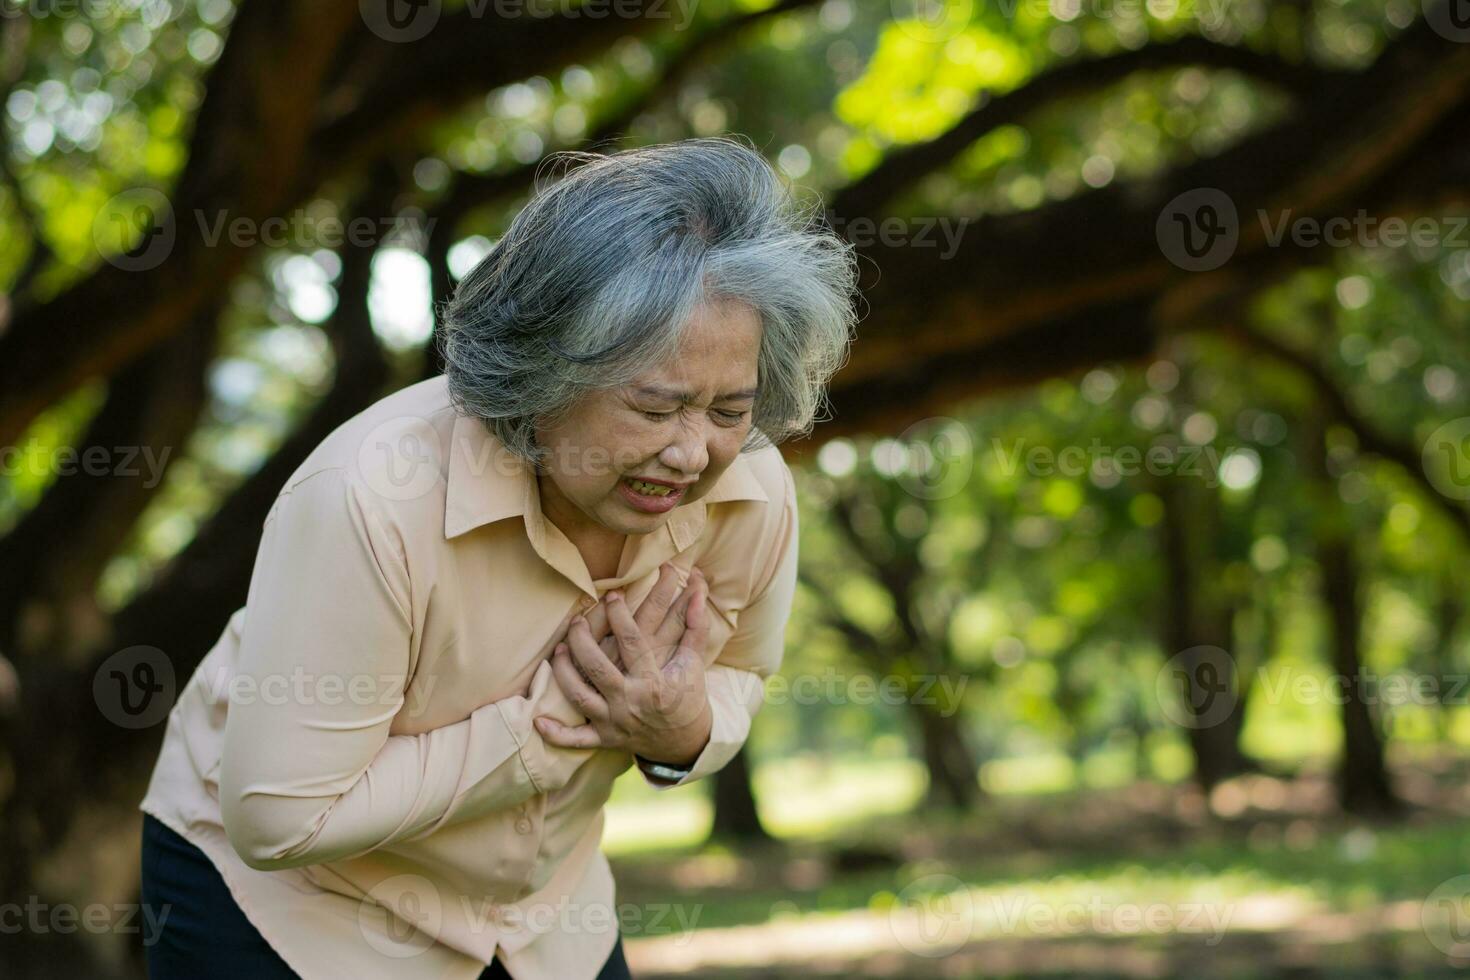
<point x="487" y="482"/>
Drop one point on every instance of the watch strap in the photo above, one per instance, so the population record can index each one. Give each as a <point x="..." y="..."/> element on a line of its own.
<point x="664" y="771"/>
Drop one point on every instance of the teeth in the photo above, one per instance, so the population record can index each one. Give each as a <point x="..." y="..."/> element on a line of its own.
<point x="651" y="489"/>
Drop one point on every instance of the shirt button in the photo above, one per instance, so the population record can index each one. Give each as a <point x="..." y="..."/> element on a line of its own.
<point x="586" y="603"/>
<point x="523" y="826"/>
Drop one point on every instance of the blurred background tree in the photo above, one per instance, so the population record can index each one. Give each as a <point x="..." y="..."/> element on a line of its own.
<point x="1013" y="638"/>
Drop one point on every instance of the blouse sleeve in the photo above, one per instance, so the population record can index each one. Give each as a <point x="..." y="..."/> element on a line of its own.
<point x="309" y="771"/>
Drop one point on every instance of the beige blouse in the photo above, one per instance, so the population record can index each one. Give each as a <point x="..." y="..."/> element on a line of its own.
<point x="356" y="754"/>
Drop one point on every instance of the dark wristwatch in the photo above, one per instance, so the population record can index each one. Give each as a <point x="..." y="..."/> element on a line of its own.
<point x="662" y="770"/>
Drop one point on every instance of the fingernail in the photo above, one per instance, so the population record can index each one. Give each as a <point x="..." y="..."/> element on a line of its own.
<point x="615" y="596"/>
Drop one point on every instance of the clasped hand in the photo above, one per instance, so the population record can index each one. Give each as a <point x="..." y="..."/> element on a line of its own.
<point x="638" y="678"/>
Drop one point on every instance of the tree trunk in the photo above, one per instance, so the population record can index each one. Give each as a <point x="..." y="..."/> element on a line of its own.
<point x="1363" y="782"/>
<point x="953" y="771"/>
<point x="736" y="815"/>
<point x="1200" y="636"/>
<point x="208" y="579"/>
<point x="1448" y="612"/>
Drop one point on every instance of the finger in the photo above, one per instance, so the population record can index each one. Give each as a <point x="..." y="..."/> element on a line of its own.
<point x="631" y="642"/>
<point x="672" y="627"/>
<point x="597" y="621"/>
<point x="696" y="625"/>
<point x="583" y="696"/>
<point x="654" y="605"/>
<point x="594" y="664"/>
<point x="684" y="682"/>
<point x="554" y="732"/>
<point x="609" y="648"/>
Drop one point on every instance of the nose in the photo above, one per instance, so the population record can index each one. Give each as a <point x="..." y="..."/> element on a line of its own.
<point x="689" y="452"/>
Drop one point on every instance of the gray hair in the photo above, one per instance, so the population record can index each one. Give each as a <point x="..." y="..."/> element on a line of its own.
<point x="597" y="276"/>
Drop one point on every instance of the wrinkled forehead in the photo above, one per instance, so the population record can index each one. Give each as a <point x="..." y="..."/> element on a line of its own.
<point x="717" y="354"/>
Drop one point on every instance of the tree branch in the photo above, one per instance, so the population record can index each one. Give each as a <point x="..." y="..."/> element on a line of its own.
<point x="1371" y="439"/>
<point x="899" y="169"/>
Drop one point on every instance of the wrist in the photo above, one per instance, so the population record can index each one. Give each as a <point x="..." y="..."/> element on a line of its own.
<point x="683" y="752"/>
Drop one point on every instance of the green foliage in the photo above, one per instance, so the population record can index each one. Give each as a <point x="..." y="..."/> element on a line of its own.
<point x="1039" y="582"/>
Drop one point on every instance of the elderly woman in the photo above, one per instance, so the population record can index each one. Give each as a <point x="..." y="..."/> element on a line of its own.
<point x="480" y="600"/>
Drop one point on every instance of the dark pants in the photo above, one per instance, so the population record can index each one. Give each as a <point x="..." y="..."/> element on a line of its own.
<point x="205" y="933"/>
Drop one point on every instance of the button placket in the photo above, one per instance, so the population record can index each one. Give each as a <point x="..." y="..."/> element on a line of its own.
<point x="530" y="816"/>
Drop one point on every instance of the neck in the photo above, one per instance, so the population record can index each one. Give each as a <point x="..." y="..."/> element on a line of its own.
<point x="601" y="547"/>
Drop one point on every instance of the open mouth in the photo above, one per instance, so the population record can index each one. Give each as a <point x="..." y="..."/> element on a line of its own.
<point x="651" y="498"/>
<point x="652" y="489"/>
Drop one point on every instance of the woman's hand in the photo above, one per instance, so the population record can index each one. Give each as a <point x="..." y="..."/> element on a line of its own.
<point x="655" y="706"/>
<point x="662" y="611"/>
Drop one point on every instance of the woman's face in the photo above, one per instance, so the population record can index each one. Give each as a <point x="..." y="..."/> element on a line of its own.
<point x="623" y="458"/>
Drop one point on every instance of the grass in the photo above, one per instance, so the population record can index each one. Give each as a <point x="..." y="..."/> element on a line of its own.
<point x="800" y="796"/>
<point x="1038" y="876"/>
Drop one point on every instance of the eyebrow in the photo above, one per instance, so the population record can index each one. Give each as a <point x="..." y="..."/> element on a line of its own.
<point x="675" y="395"/>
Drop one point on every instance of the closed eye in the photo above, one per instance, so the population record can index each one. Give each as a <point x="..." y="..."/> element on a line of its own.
<point x="725" y="417"/>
